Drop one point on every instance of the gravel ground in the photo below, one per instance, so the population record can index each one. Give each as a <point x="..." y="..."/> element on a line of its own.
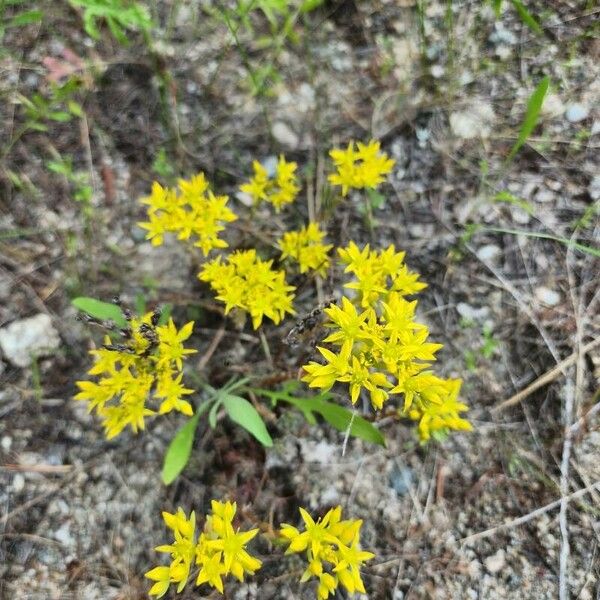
<point x="446" y="94"/>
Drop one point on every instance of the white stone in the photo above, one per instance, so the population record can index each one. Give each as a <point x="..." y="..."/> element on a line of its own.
<point x="474" y="122"/>
<point x="321" y="452"/>
<point x="63" y="534"/>
<point x="23" y="339"/>
<point x="547" y="296"/>
<point x="18" y="483"/>
<point x="6" y="443"/>
<point x="488" y="253"/>
<point x="472" y="313"/>
<point x="284" y="135"/>
<point x="437" y="71"/>
<point x="495" y="562"/>
<point x="520" y="216"/>
<point x="577" y="112"/>
<point x="544" y="196"/>
<point x="594" y="188"/>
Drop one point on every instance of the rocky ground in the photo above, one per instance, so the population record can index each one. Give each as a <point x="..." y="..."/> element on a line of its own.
<point x="445" y="88"/>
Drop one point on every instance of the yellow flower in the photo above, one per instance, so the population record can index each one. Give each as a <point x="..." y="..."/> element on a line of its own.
<point x="438" y="409"/>
<point x="332" y="549"/>
<point x="170" y="348"/>
<point x="148" y="365"/>
<point x="218" y="551"/>
<point x="382" y="343"/>
<point x="181" y="551"/>
<point x="279" y="190"/>
<point x="306" y="248"/>
<point x="249" y="283"/>
<point x="257" y="186"/>
<point x="191" y="212"/>
<point x="361" y="168"/>
<point x="324" y="376"/>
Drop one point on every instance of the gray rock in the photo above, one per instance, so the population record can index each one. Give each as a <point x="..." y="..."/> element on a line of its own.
<point x="27" y="338"/>
<point x="545" y="196"/>
<point x="476" y="121"/>
<point x="577" y="112"/>
<point x="500" y="35"/>
<point x="320" y="452"/>
<point x="547" y="296"/>
<point x="284" y="135"/>
<point x="490" y="252"/>
<point x="63" y="534"/>
<point x="401" y="479"/>
<point x="594" y="188"/>
<point x="496" y="562"/>
<point x="472" y="313"/>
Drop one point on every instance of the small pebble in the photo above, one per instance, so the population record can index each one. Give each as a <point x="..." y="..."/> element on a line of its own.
<point x="488" y="253"/>
<point x="6" y="443"/>
<point x="284" y="135"/>
<point x="547" y="296"/>
<point x="18" y="483"/>
<point x="27" y="338"/>
<point x="576" y="113"/>
<point x="544" y="196"/>
<point x="495" y="562"/>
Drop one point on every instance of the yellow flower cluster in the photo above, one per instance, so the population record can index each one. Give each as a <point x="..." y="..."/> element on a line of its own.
<point x="382" y="349"/>
<point x="192" y="212"/>
<point x="279" y="190"/>
<point x="332" y="550"/>
<point x="245" y="281"/>
<point x="306" y="248"/>
<point x="363" y="167"/>
<point x="219" y="550"/>
<point x="148" y="363"/>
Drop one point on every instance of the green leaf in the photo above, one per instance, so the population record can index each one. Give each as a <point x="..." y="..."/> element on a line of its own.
<point x="534" y="106"/>
<point x="212" y="415"/>
<point x="340" y="418"/>
<point x="100" y="310"/>
<point x="244" y="414"/>
<point x="497" y="5"/>
<point x="25" y="18"/>
<point x="336" y="415"/>
<point x="75" y="108"/>
<point x="308" y="5"/>
<point x="140" y="304"/>
<point x="165" y="313"/>
<point x="60" y="116"/>
<point x="376" y="199"/>
<point x="526" y="17"/>
<point x="180" y="448"/>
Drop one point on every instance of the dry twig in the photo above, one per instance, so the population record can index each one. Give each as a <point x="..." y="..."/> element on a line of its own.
<point x="546" y="378"/>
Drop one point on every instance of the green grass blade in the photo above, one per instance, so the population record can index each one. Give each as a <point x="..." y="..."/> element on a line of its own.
<point x="591" y="250"/>
<point x="534" y="106"/>
<point x="526" y="17"/>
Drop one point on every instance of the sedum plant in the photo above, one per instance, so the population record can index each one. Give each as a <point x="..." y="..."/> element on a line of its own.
<point x="147" y="365"/>
<point x="373" y="349"/>
<point x="331" y="545"/>
<point x="247" y="282"/>
<point x="376" y="348"/>
<point x="218" y="551"/>
<point x="332" y="549"/>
